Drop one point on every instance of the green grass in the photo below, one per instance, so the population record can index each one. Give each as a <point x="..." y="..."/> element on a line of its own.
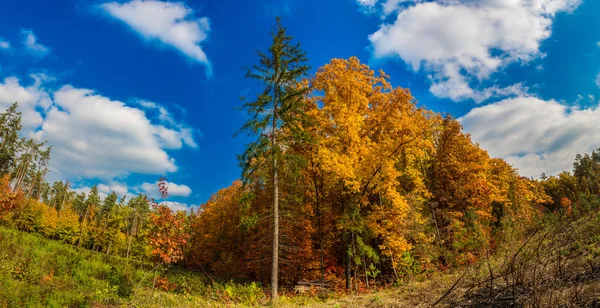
<point x="38" y="272"/>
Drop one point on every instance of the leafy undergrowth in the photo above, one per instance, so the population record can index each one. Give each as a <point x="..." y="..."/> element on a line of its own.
<point x="38" y="272"/>
<point x="558" y="265"/>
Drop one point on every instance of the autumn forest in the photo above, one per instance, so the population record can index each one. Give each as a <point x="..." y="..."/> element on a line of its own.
<point x="350" y="185"/>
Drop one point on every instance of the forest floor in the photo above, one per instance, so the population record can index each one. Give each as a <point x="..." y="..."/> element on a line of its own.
<point x="557" y="265"/>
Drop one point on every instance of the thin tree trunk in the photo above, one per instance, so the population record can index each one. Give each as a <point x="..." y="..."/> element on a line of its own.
<point x="275" y="256"/>
<point x="355" y="265"/>
<point x="320" y="226"/>
<point x="40" y="183"/>
<point x="30" y="189"/>
<point x="25" y="168"/>
<point x="131" y="231"/>
<point x="365" y="267"/>
<point x="347" y="272"/>
<point x="394" y="266"/>
<point x="64" y="196"/>
<point x="18" y="170"/>
<point x="83" y="225"/>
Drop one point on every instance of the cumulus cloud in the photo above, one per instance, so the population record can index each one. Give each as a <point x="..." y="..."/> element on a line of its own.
<point x="462" y="42"/>
<point x="171" y="23"/>
<point x="175" y="190"/>
<point x="32" y="45"/>
<point x="94" y="136"/>
<point x="534" y="135"/>
<point x="31" y="99"/>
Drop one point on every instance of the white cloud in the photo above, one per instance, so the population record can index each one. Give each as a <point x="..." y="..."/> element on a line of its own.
<point x="597" y="80"/>
<point x="367" y="3"/>
<point x="534" y="135"/>
<point x="172" y="23"/>
<point x="387" y="6"/>
<point x="32" y="45"/>
<point x="178" y="206"/>
<point x="461" y="42"/>
<point x="4" y="44"/>
<point x="30" y="98"/>
<point x="175" y="190"/>
<point x="96" y="137"/>
<point x="104" y="190"/>
<point x="171" y="138"/>
<point x="93" y="136"/>
<point x="164" y="114"/>
<point x="119" y="188"/>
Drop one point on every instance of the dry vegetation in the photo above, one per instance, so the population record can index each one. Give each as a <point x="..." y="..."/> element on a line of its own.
<point x="558" y="265"/>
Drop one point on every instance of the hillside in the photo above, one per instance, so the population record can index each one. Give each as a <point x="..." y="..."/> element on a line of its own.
<point x="38" y="272"/>
<point x="557" y="265"/>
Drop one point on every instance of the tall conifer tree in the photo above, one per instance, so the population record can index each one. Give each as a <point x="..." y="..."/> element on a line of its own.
<point x="277" y="106"/>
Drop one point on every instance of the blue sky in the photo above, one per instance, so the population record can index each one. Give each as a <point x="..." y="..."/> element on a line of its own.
<point x="129" y="91"/>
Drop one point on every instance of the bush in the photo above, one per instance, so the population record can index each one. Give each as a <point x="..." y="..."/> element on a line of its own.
<point x="247" y="294"/>
<point x="121" y="277"/>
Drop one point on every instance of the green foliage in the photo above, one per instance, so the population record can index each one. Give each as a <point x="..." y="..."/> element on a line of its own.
<point x="121" y="277"/>
<point x="247" y="294"/>
<point x="37" y="272"/>
<point x="279" y="105"/>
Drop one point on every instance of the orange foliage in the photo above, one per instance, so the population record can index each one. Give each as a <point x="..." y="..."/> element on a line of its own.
<point x="168" y="234"/>
<point x="9" y="200"/>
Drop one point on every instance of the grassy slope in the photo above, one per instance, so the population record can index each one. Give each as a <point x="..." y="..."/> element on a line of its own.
<point x="558" y="265"/>
<point x="37" y="272"/>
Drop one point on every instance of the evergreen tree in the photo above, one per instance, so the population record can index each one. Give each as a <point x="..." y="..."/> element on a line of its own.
<point x="279" y="71"/>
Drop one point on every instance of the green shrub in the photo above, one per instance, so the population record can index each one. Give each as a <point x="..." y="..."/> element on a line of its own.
<point x="121" y="278"/>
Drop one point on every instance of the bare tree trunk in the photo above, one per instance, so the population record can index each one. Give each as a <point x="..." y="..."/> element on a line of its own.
<point x="347" y="272"/>
<point x="320" y="226"/>
<point x="29" y="154"/>
<point x="394" y="266"/>
<point x="30" y="189"/>
<point x="365" y="267"/>
<point x="82" y="225"/>
<point x="131" y="231"/>
<point x="355" y="265"/>
<point x="62" y="205"/>
<point x="40" y="183"/>
<point x="128" y="245"/>
<point x="275" y="257"/>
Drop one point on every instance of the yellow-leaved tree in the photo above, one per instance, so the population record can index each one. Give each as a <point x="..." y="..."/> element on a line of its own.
<point x="366" y="128"/>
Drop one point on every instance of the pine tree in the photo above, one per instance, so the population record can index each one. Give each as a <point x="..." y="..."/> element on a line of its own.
<point x="279" y="71"/>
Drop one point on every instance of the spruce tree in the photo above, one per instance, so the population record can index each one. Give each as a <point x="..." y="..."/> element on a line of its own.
<point x="279" y="72"/>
